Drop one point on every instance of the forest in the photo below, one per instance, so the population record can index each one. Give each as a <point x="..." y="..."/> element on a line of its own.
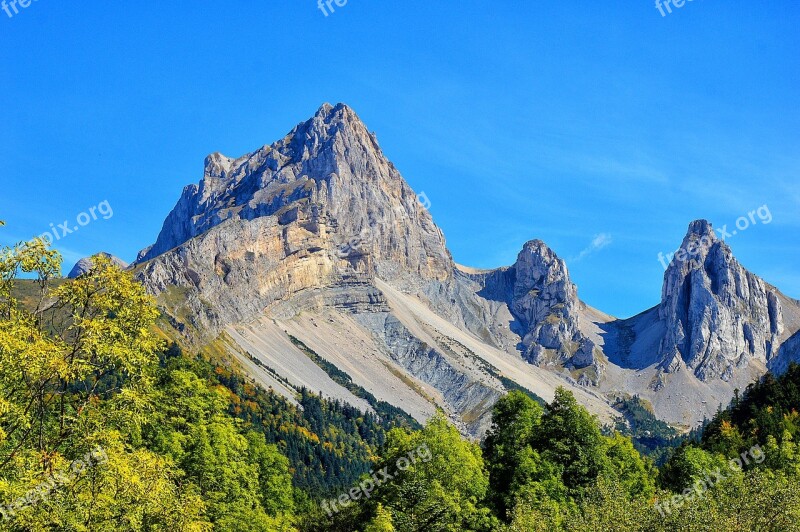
<point x="105" y="425"/>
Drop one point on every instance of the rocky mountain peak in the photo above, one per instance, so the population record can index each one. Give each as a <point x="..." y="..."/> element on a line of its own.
<point x="217" y="165"/>
<point x="701" y="228"/>
<point x="718" y="315"/>
<point x="329" y="166"/>
<point x="331" y="125"/>
<point x="699" y="241"/>
<point x="318" y="206"/>
<point x="545" y="302"/>
<point x="537" y="264"/>
<point x="336" y="115"/>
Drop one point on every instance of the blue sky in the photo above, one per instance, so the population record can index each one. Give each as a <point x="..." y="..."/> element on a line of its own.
<point x="602" y="129"/>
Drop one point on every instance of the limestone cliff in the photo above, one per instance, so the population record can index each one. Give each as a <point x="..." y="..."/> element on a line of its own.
<point x="314" y="209"/>
<point x="718" y="315"/>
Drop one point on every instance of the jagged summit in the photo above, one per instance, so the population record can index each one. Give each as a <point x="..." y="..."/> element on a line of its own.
<point x="699" y="241"/>
<point x="319" y="205"/>
<point x="544" y="304"/>
<point x="718" y="315"/>
<point x="545" y="301"/>
<point x="330" y="145"/>
<point x="701" y="228"/>
<point x="326" y="122"/>
<point x="537" y="260"/>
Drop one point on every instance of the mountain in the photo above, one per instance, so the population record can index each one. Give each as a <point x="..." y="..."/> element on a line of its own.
<point x="317" y="238"/>
<point x="716" y="330"/>
<point x="718" y="315"/>
<point x="85" y="264"/>
<point x="545" y="306"/>
<point x="312" y="257"/>
<point x="322" y="207"/>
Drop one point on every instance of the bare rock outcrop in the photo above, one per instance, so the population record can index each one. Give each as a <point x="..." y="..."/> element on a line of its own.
<point x="544" y="302"/>
<point x="789" y="353"/>
<point x="718" y="315"/>
<point x="320" y="205"/>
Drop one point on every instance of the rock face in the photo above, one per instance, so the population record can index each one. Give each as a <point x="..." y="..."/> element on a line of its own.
<point x="329" y="177"/>
<point x="321" y="205"/>
<point x="545" y="304"/>
<point x="788" y="353"/>
<point x="85" y="264"/>
<point x="718" y="315"/>
<point x="431" y="365"/>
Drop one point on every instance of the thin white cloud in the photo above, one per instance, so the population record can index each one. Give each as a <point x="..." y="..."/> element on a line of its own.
<point x="598" y="242"/>
<point x="69" y="258"/>
<point x="648" y="172"/>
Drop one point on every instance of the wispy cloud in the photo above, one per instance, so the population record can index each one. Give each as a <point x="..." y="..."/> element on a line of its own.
<point x="620" y="170"/>
<point x="70" y="257"/>
<point x="598" y="242"/>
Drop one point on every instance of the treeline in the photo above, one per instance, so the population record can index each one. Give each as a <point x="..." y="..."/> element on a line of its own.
<point x="188" y="443"/>
<point x="390" y="415"/>
<point x="97" y="435"/>
<point x="651" y="436"/>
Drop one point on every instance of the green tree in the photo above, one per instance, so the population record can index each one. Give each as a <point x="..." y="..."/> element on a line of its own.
<point x="626" y="468"/>
<point x="543" y="464"/>
<point x="382" y="522"/>
<point x="507" y="447"/>
<point x="274" y="477"/>
<point x="688" y="464"/>
<point x="58" y="354"/>
<point x="439" y="480"/>
<point x="245" y="484"/>
<point x="570" y="437"/>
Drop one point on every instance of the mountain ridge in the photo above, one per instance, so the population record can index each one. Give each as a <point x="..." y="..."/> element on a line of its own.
<point x="322" y="225"/>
